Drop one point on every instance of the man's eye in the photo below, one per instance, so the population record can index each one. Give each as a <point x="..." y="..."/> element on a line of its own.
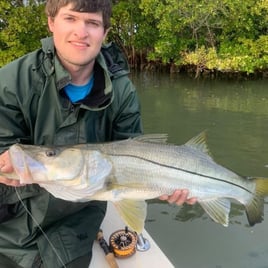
<point x="94" y="24"/>
<point x="69" y="19"/>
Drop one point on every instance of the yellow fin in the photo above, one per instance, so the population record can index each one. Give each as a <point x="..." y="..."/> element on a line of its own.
<point x="256" y="206"/>
<point x="133" y="213"/>
<point x="218" y="210"/>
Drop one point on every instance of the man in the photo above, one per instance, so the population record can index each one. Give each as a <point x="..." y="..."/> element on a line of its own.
<point x="62" y="93"/>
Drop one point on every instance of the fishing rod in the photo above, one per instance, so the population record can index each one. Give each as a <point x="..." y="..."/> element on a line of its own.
<point x="110" y="258"/>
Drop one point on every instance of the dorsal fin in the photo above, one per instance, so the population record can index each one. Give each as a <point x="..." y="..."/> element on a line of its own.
<point x="152" y="138"/>
<point x="199" y="142"/>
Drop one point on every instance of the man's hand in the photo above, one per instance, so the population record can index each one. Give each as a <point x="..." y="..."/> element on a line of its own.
<point x="179" y="197"/>
<point x="6" y="167"/>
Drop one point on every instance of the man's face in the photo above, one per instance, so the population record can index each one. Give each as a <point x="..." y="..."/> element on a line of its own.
<point x="77" y="36"/>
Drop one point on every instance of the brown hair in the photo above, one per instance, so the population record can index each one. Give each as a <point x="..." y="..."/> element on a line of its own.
<point x="103" y="6"/>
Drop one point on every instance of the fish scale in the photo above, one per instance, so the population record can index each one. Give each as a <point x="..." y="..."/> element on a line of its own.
<point x="131" y="171"/>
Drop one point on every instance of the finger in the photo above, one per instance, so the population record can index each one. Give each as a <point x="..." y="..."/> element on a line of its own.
<point x="164" y="197"/>
<point x="6" y="169"/>
<point x="191" y="201"/>
<point x="5" y="163"/>
<point x="173" y="198"/>
<point x="2" y="164"/>
<point x="182" y="197"/>
<point x="9" y="182"/>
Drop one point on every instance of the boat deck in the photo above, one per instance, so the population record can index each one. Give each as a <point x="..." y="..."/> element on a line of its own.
<point x="154" y="257"/>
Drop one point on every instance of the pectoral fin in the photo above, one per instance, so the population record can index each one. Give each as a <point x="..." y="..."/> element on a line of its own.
<point x="133" y="213"/>
<point x="218" y="210"/>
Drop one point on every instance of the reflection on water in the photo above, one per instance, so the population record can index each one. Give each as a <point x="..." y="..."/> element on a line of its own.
<point x="188" y="212"/>
<point x="235" y="116"/>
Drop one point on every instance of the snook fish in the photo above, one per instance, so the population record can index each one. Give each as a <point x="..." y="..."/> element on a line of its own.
<point x="130" y="171"/>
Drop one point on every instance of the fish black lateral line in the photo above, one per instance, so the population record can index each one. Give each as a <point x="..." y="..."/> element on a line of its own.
<point x="128" y="172"/>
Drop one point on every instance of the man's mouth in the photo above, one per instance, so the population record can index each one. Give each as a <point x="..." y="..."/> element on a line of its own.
<point x="79" y="44"/>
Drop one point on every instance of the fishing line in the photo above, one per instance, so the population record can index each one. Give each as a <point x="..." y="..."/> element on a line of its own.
<point x="40" y="228"/>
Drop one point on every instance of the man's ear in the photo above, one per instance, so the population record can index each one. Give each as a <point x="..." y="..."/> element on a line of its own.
<point x="106" y="33"/>
<point x="50" y="23"/>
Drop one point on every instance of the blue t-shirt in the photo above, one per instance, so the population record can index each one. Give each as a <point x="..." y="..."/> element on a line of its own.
<point x="79" y="92"/>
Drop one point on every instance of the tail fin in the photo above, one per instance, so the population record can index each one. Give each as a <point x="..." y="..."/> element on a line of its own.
<point x="255" y="208"/>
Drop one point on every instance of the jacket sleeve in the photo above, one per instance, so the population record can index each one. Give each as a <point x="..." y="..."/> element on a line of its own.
<point x="127" y="121"/>
<point x="13" y="129"/>
<point x="12" y="123"/>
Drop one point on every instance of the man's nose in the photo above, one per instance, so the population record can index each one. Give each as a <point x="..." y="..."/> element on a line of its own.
<point x="81" y="30"/>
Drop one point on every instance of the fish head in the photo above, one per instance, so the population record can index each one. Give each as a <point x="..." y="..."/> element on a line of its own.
<point x="41" y="164"/>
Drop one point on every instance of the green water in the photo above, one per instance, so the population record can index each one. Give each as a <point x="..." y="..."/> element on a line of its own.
<point x="235" y="116"/>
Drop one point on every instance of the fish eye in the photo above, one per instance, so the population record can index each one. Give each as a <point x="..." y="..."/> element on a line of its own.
<point x="51" y="153"/>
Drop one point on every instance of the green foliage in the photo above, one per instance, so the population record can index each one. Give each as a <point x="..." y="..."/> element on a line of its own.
<point x="22" y="27"/>
<point x="223" y="35"/>
<point x="245" y="56"/>
<point x="132" y="30"/>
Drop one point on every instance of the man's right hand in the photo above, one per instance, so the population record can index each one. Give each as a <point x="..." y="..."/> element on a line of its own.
<point x="6" y="167"/>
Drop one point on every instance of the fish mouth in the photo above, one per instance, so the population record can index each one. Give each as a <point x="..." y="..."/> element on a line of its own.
<point x="25" y="166"/>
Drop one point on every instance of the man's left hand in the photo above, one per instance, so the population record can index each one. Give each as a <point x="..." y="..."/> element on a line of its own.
<point x="179" y="197"/>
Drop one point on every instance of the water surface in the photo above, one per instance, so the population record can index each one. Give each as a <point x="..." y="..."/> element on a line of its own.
<point x="235" y="117"/>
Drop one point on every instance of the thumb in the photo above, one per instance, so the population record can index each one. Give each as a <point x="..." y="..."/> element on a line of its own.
<point x="5" y="163"/>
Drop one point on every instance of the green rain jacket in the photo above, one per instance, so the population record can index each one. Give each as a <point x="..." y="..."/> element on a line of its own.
<point x="35" y="110"/>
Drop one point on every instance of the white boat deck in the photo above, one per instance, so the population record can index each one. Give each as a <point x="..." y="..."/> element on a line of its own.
<point x="154" y="257"/>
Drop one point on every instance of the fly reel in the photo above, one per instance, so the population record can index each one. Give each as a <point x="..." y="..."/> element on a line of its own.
<point x="123" y="243"/>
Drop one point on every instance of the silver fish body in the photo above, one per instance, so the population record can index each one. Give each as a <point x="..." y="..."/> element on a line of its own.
<point x="131" y="171"/>
<point x="149" y="170"/>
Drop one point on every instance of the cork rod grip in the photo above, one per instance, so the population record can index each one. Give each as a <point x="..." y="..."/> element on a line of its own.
<point x="109" y="256"/>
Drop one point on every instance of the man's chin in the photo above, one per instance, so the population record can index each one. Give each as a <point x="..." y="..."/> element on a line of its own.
<point x="79" y="62"/>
